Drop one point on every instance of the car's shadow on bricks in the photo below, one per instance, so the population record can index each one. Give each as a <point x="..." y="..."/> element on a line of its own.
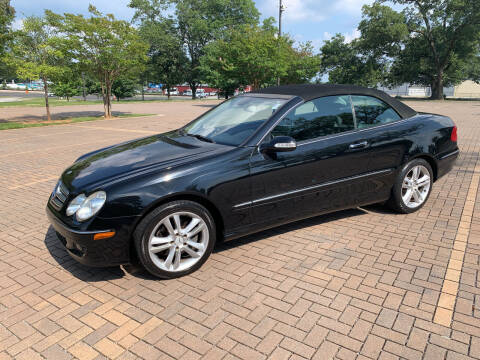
<point x="302" y="224"/>
<point x="85" y="273"/>
<point x="82" y="272"/>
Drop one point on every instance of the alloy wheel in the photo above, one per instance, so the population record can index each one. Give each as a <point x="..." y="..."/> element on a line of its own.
<point x="416" y="186"/>
<point x="178" y="241"/>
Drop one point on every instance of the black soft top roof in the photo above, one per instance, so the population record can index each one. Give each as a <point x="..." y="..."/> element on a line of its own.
<point x="309" y="92"/>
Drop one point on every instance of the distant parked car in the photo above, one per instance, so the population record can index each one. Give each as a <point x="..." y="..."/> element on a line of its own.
<point x="254" y="162"/>
<point x="201" y="94"/>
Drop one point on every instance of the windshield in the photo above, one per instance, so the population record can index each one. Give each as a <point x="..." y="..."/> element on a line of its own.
<point x="234" y="121"/>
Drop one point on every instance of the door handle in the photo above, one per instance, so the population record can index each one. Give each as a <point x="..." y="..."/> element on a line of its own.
<point x="359" y="145"/>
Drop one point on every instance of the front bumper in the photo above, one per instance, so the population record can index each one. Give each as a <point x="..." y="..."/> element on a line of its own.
<point x="98" y="253"/>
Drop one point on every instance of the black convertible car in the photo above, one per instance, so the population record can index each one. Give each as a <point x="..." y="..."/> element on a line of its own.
<point x="256" y="161"/>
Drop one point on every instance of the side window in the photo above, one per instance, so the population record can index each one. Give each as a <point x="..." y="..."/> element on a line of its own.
<point x="371" y="111"/>
<point x="320" y="117"/>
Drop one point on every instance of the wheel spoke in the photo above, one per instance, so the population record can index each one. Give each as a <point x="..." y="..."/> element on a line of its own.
<point x="176" y="263"/>
<point x="415" y="172"/>
<point x="191" y="225"/>
<point x="196" y="245"/>
<point x="424" y="181"/>
<point x="160" y="240"/>
<point x="190" y="252"/>
<point x="178" y="225"/>
<point x="419" y="195"/>
<point x="168" y="225"/>
<point x="196" y="231"/>
<point x="169" y="259"/>
<point x="416" y="197"/>
<point x="405" y="184"/>
<point x="407" y="198"/>
<point x="157" y="249"/>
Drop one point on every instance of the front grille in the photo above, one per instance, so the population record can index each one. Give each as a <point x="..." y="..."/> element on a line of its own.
<point x="59" y="196"/>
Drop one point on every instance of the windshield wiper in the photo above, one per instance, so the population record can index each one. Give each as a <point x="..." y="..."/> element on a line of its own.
<point x="201" y="137"/>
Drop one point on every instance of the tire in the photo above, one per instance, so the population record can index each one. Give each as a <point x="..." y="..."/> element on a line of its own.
<point x="405" y="182"/>
<point x="154" y="239"/>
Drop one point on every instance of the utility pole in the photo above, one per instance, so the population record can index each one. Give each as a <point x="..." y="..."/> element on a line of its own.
<point x="281" y="9"/>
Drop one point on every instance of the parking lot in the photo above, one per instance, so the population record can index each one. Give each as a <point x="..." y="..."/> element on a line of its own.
<point x="358" y="284"/>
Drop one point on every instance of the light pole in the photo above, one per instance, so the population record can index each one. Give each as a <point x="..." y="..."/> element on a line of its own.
<point x="281" y="9"/>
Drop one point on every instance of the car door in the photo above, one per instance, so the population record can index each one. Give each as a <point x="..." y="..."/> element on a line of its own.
<point x="321" y="174"/>
<point x="380" y="127"/>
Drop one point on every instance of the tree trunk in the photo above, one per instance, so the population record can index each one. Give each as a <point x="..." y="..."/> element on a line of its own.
<point x="168" y="92"/>
<point x="143" y="91"/>
<point x="194" y="91"/>
<point x="437" y="87"/>
<point x="47" y="105"/>
<point x="84" y="91"/>
<point x="104" y="98"/>
<point x="108" y="114"/>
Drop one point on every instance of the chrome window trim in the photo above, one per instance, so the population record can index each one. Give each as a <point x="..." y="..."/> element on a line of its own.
<point x="313" y="187"/>
<point x="356" y="130"/>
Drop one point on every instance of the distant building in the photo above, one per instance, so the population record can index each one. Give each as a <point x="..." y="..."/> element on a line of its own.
<point x="466" y="90"/>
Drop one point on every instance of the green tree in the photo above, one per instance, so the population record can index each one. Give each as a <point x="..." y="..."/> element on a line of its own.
<point x="67" y="89"/>
<point x="253" y="55"/>
<point x="346" y="63"/>
<point x="202" y="21"/>
<point x="107" y="49"/>
<point x="7" y="14"/>
<point x="197" y="23"/>
<point x="303" y="64"/>
<point x="167" y="59"/>
<point x="124" y="88"/>
<point x="428" y="43"/>
<point x="36" y="54"/>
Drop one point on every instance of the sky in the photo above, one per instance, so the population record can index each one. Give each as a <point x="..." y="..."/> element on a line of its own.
<point x="304" y="20"/>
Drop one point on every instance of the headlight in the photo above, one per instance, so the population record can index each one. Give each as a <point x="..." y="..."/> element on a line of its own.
<point x="85" y="208"/>
<point x="75" y="204"/>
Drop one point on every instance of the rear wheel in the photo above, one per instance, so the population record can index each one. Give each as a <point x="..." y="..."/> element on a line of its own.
<point x="412" y="187"/>
<point x="175" y="239"/>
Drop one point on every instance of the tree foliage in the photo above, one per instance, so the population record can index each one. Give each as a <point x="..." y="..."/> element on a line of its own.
<point x="167" y="62"/>
<point x="67" y="89"/>
<point x="124" y="88"/>
<point x="253" y="55"/>
<point x="196" y="23"/>
<point x="106" y="48"/>
<point x="36" y="52"/>
<point x="346" y="63"/>
<point x="7" y="14"/>
<point x="430" y="42"/>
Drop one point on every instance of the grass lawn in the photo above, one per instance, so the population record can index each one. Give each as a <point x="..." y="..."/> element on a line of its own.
<point x="37" y="102"/>
<point x="19" y="125"/>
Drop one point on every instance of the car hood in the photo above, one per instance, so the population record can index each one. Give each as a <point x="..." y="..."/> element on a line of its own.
<point x="150" y="153"/>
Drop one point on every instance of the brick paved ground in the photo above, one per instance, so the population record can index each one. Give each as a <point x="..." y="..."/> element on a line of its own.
<point x="358" y="284"/>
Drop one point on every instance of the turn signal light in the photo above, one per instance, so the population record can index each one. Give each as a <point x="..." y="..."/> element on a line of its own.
<point x="106" y="235"/>
<point x="454" y="136"/>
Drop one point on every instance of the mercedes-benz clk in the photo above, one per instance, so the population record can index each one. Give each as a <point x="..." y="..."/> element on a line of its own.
<point x="253" y="162"/>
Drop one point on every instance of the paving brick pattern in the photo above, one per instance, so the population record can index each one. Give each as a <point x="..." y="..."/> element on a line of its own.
<point x="358" y="284"/>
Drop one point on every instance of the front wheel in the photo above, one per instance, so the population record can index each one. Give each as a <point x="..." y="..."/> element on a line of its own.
<point x="412" y="187"/>
<point x="175" y="239"/>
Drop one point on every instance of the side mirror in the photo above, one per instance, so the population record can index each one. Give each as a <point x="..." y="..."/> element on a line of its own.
<point x="279" y="144"/>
